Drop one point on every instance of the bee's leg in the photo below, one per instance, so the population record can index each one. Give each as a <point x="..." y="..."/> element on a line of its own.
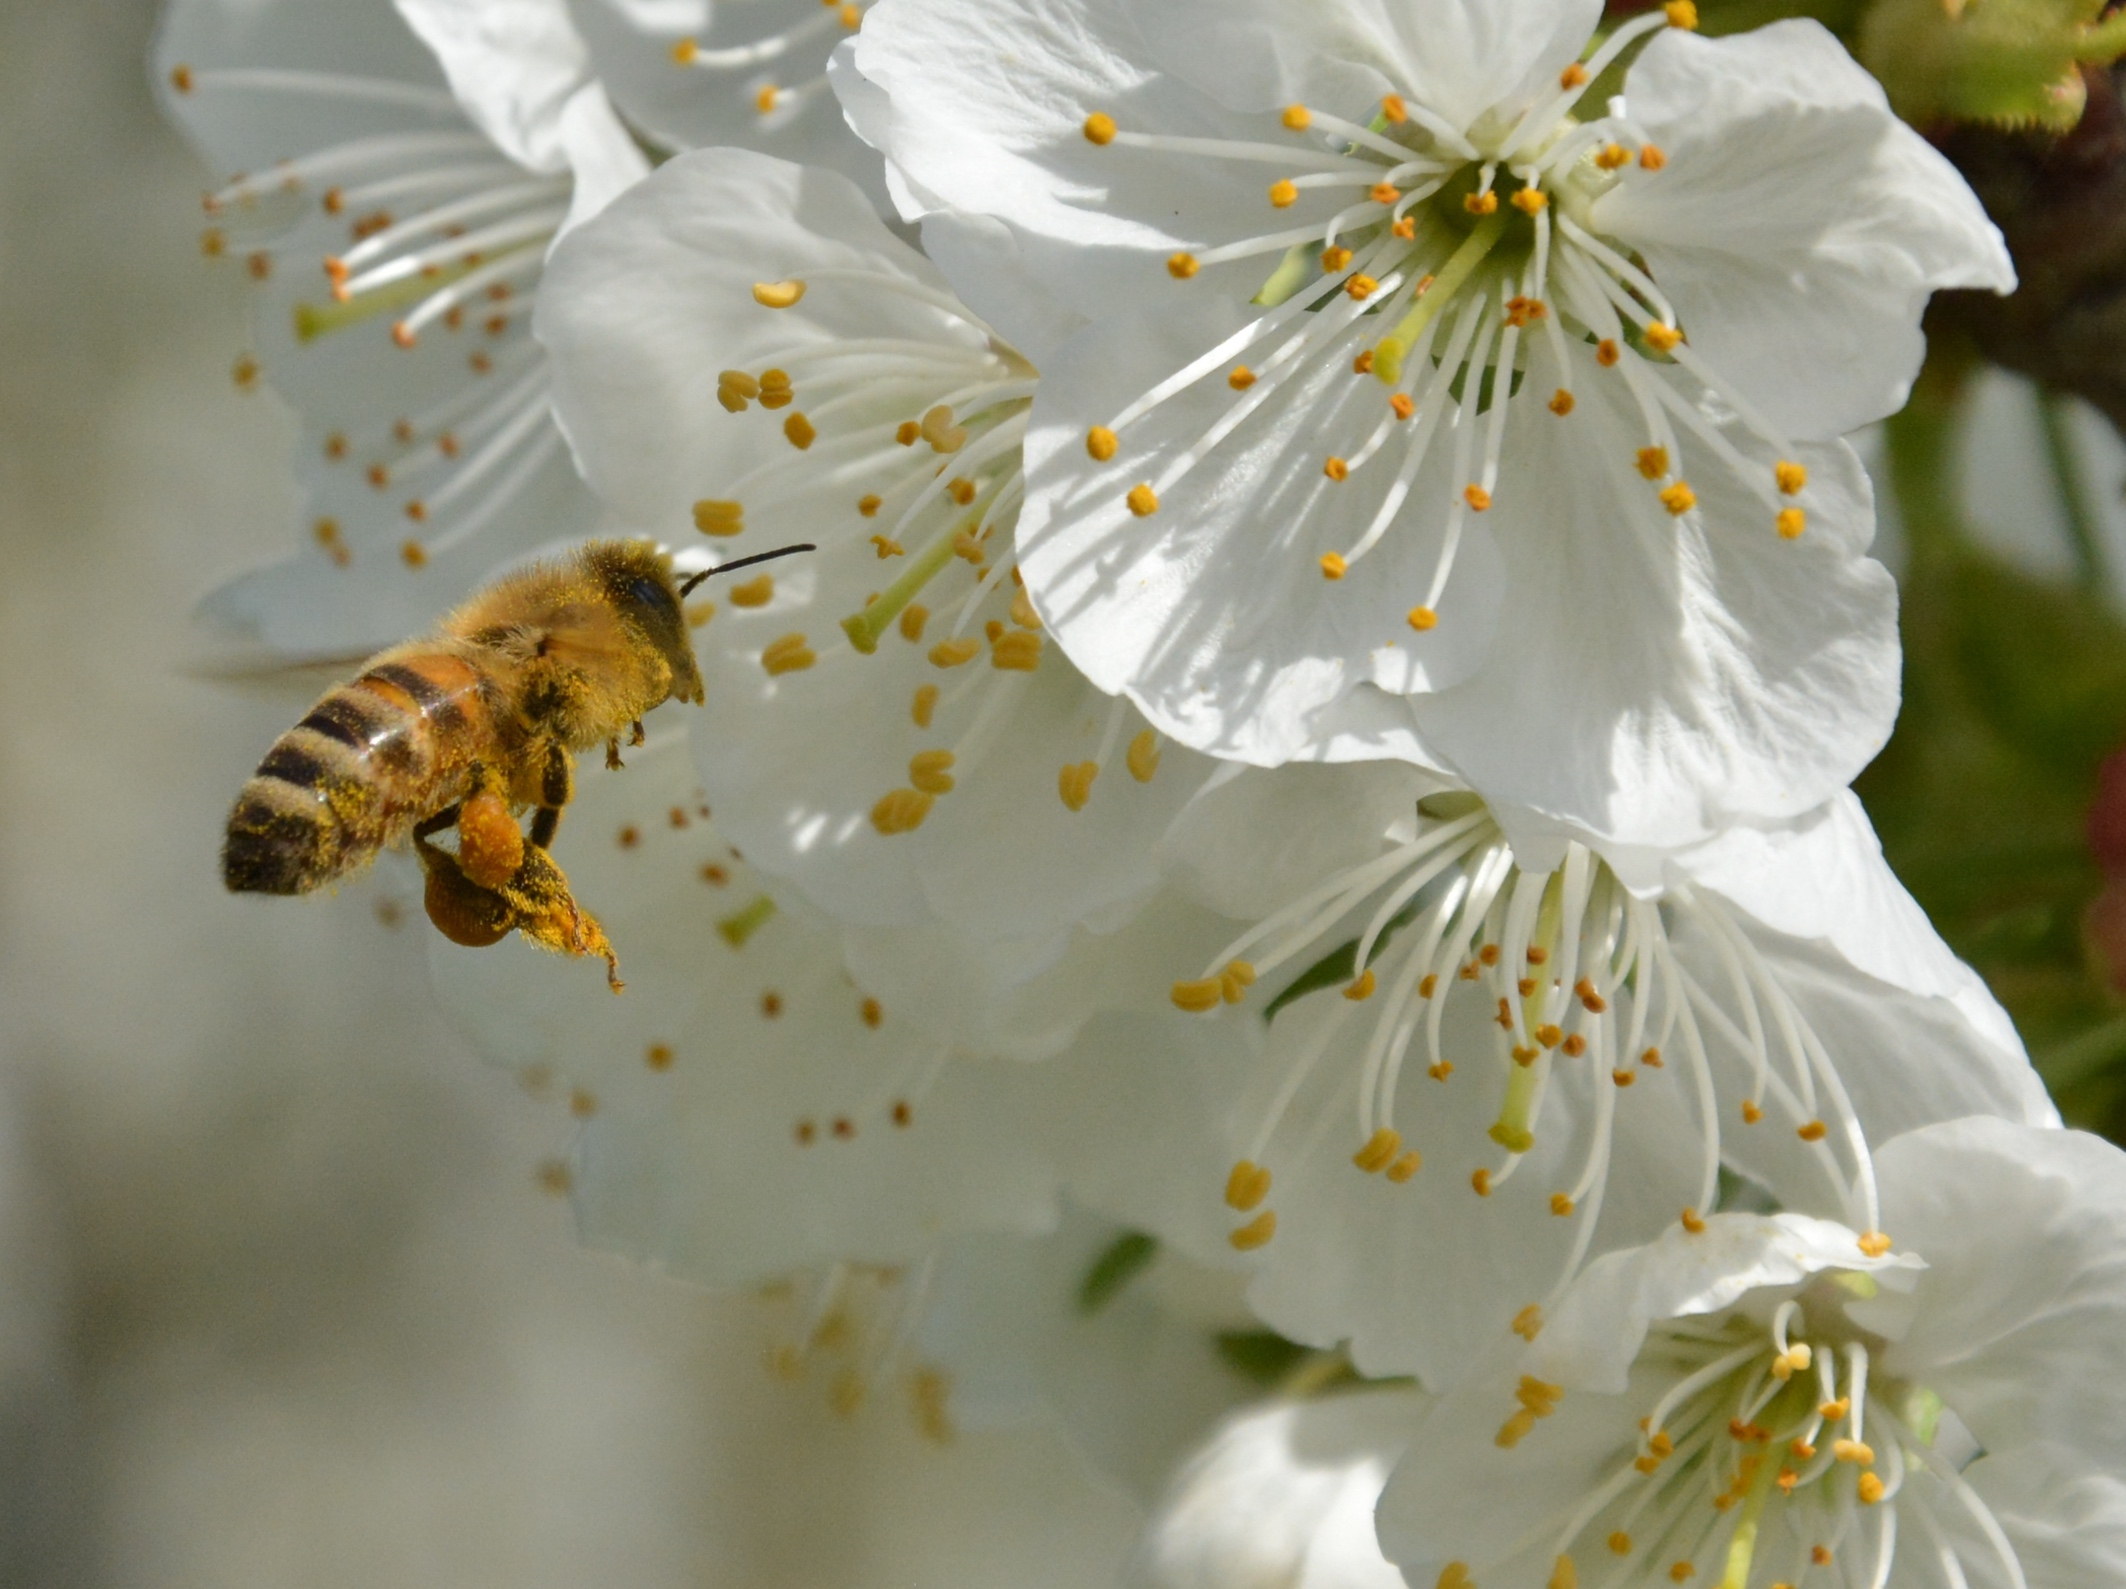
<point x="557" y="786"/>
<point x="546" y="912"/>
<point x="635" y="735"/>
<point x="613" y="763"/>
<point x="490" y="847"/>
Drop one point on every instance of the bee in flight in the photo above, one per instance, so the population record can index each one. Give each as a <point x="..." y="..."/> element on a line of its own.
<point x="466" y="728"/>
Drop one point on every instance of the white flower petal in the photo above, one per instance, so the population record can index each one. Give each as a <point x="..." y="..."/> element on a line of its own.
<point x="2068" y="1524"/>
<point x="1798" y="226"/>
<point x="514" y="65"/>
<point x="603" y="157"/>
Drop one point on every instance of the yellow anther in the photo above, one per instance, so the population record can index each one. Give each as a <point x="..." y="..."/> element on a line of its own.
<point x="1693" y="1222"/>
<point x="1623" y="1078"/>
<point x="1591" y="1000"/>
<point x="1480" y="1183"/>
<point x="1661" y="1444"/>
<point x="1875" y="1244"/>
<point x="1679" y="498"/>
<point x="1814" y="1131"/>
<point x="1528" y="1323"/>
<point x="1620" y="1543"/>
<point x="909" y="432"/>
<point x="775" y="389"/>
<point x="1871" y="1488"/>
<point x="1681" y="1572"/>
<point x="790" y="654"/>
<point x="1198" y="998"/>
<point x="1256" y="1232"/>
<point x="925" y="705"/>
<point x="1515" y="1430"/>
<point x="1421" y="619"/>
<point x="1538" y="1396"/>
<point x="1379" y="1151"/>
<point x="1100" y="443"/>
<point x="1100" y="128"/>
<point x="764" y="102"/>
<point x="1022" y="612"/>
<point x="1333" y="566"/>
<point x="1241" y="379"/>
<point x="1284" y="193"/>
<point x="1383" y="193"/>
<point x="1574" y="76"/>
<point x="951" y="653"/>
<point x="1681" y="13"/>
<point x="929" y="770"/>
<point x="1297" y="118"/>
<point x="719" y="518"/>
<point x="1613" y="157"/>
<point x="1524" y="1055"/>
<point x="1820" y="1555"/>
<point x="1481" y="203"/>
<point x="1363" y="364"/>
<point x="799" y="432"/>
<point x="754" y="592"/>
<point x="1531" y="201"/>
<point x="1652" y="1057"/>
<point x="937" y="428"/>
<point x="1143" y="755"/>
<point x="888" y="547"/>
<point x="777" y="294"/>
<point x="1549" y="1036"/>
<point x="1362" y="988"/>
<point x="1563" y="403"/>
<point x="1361" y="287"/>
<point x="739" y="384"/>
<point x="1488" y="955"/>
<point x="851" y="16"/>
<point x="1016" y="651"/>
<point x="1752" y="1112"/>
<point x="1514" y="1139"/>
<point x="1336" y="469"/>
<point x="1853" y="1451"/>
<point x="1181" y="266"/>
<point x="1663" y="338"/>
<point x="1246" y="1187"/>
<point x="913" y="617"/>
<point x="1075" y="783"/>
<point x="413" y="554"/>
<point x="1405" y="229"/>
<point x="1803" y="1451"/>
<point x="1403" y="405"/>
<point x="1652" y="158"/>
<point x="902" y="811"/>
<point x="1834" y="1411"/>
<point x="1792" y="522"/>
<point x="1607" y="353"/>
<point x="1235" y="980"/>
<point x="1143" y="501"/>
<point x="1653" y="462"/>
<point x="1455" y="1575"/>
<point x="1392" y="107"/>
<point x="1561" y="1205"/>
<point x="1406" y="1166"/>
<point x="1792" y="477"/>
<point x="1478" y="498"/>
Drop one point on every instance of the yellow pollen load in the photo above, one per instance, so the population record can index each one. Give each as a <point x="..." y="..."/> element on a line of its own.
<point x="1531" y="200"/>
<point x="1563" y="403"/>
<point x="1256" y="1232"/>
<point x="1574" y="76"/>
<point x="1361" y="287"/>
<point x="1143" y="501"/>
<point x="1336" y="469"/>
<point x="951" y="653"/>
<point x="1481" y="204"/>
<point x="1561" y="1205"/>
<point x="902" y="811"/>
<point x="1379" y="1152"/>
<point x="1143" y="757"/>
<point x="790" y="654"/>
<point x="929" y="771"/>
<point x="1607" y="353"/>
<point x="1679" y="499"/>
<point x="1100" y="128"/>
<point x="1297" y="118"/>
<point x="1403" y="405"/>
<point x="754" y="592"/>
<point x="777" y="294"/>
<point x="1528" y="1323"/>
<point x="1016" y="652"/>
<point x="1652" y="158"/>
<point x="1792" y="477"/>
<point x="1100" y="442"/>
<point x="1362" y="988"/>
<point x="1613" y="157"/>
<point x="1478" y="498"/>
<point x="1284" y="193"/>
<point x="1693" y="1222"/>
<point x="712" y="517"/>
<point x="1875" y="1244"/>
<point x="1814" y="1131"/>
<point x="1075" y="784"/>
<point x="1241" y="379"/>
<point x="1181" y="266"/>
<point x="925" y="705"/>
<point x="937" y="428"/>
<point x="799" y="432"/>
<point x="913" y="617"/>
<point x="1246" y="1187"/>
<point x="1333" y="566"/>
<point x="1663" y="338"/>
<point x="775" y="389"/>
<point x="1653" y="462"/>
<point x="1392" y="107"/>
<point x="1792" y="522"/>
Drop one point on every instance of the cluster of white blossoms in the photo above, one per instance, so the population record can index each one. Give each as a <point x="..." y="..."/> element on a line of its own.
<point x="1297" y="811"/>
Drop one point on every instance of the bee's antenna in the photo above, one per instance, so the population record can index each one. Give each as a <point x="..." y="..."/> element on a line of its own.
<point x="687" y="585"/>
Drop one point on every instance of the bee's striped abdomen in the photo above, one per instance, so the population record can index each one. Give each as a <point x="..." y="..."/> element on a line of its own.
<point x="371" y="759"/>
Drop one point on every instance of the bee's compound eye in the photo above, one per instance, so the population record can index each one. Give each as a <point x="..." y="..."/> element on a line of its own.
<point x="649" y="593"/>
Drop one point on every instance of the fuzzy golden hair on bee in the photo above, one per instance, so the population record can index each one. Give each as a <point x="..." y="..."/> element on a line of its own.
<point x="480" y="719"/>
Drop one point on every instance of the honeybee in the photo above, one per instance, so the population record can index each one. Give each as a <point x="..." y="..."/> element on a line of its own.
<point x="469" y="726"/>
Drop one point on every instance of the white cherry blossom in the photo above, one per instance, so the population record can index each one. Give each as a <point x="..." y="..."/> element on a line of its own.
<point x="1509" y="1065"/>
<point x="1775" y="1401"/>
<point x="1429" y="410"/>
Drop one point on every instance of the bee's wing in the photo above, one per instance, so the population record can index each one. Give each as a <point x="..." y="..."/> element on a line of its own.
<point x="272" y="675"/>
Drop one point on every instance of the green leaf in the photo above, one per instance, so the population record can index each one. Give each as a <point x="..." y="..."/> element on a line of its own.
<point x="1128" y="1256"/>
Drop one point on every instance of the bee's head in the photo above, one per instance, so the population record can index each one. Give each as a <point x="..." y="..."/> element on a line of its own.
<point x="638" y="580"/>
